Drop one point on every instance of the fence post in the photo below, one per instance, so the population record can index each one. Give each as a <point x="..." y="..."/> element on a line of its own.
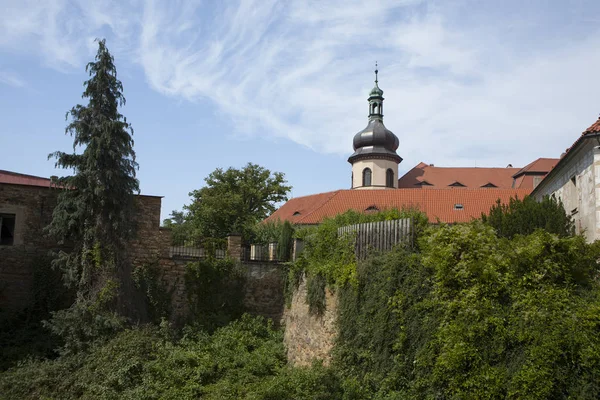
<point x="234" y="246"/>
<point x="297" y="248"/>
<point x="273" y="251"/>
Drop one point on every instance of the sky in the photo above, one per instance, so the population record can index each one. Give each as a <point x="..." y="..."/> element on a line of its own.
<point x="284" y="83"/>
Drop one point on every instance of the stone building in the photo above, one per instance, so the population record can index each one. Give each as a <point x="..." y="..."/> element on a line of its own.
<point x="26" y="206"/>
<point x="575" y="180"/>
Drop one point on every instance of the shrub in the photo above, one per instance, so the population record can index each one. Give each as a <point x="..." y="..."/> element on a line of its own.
<point x="215" y="291"/>
<point x="523" y="217"/>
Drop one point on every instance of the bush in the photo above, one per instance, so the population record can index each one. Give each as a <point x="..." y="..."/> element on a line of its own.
<point x="215" y="290"/>
<point x="523" y="217"/>
<point x="22" y="334"/>
<point x="144" y="363"/>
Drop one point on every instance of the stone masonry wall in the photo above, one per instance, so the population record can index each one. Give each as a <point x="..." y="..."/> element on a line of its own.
<point x="308" y="337"/>
<point x="152" y="245"/>
<point x="32" y="207"/>
<point x="264" y="287"/>
<point x="575" y="186"/>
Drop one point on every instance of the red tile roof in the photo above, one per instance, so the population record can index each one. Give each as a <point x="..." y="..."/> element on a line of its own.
<point x="539" y="166"/>
<point x="22" y="179"/>
<point x="594" y="128"/>
<point x="438" y="204"/>
<point x="442" y="177"/>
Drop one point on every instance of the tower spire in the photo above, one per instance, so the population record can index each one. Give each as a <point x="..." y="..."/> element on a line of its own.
<point x="376" y="98"/>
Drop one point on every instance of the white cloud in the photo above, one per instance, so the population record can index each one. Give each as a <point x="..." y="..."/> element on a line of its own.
<point x="457" y="92"/>
<point x="11" y="79"/>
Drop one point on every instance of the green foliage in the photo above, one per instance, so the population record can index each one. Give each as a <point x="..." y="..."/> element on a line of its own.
<point x="368" y="321"/>
<point x="267" y="232"/>
<point x="285" y="242"/>
<point x="22" y="334"/>
<point x="86" y="322"/>
<point x="95" y="207"/>
<point x="244" y="360"/>
<point x="234" y="200"/>
<point x="215" y="291"/>
<point x="315" y="294"/>
<point x="148" y="279"/>
<point x="475" y="316"/>
<point x="180" y="231"/>
<point x="333" y="257"/>
<point x="523" y="217"/>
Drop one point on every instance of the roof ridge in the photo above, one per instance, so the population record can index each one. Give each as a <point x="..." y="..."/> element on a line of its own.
<point x="3" y="171"/>
<point x="315" y="194"/>
<point x="335" y="193"/>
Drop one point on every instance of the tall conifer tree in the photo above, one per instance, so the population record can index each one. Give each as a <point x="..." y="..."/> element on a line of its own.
<point x="94" y="211"/>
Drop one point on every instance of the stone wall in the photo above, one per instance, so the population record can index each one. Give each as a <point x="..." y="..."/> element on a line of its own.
<point x="308" y="337"/>
<point x="575" y="185"/>
<point x="32" y="207"/>
<point x="265" y="283"/>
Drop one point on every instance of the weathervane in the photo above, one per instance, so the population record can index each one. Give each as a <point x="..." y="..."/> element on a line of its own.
<point x="376" y="72"/>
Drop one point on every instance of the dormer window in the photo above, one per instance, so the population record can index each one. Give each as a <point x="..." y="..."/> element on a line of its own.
<point x="489" y="185"/>
<point x="372" y="208"/>
<point x="457" y="184"/>
<point x="458" y="206"/>
<point x="423" y="183"/>
<point x="296" y="213"/>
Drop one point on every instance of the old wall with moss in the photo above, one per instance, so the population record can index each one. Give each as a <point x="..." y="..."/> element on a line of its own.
<point x="309" y="336"/>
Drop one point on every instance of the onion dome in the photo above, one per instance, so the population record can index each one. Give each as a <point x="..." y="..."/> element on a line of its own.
<point x="375" y="141"/>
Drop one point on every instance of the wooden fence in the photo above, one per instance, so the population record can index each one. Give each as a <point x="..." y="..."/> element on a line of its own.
<point x="379" y="236"/>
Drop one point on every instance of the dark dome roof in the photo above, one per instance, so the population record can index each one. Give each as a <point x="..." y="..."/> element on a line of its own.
<point x="376" y="91"/>
<point x="375" y="140"/>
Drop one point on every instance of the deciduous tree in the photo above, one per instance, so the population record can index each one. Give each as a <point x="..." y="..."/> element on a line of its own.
<point x="234" y="200"/>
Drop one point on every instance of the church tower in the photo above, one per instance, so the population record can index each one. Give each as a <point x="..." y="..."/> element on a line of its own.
<point x="375" y="161"/>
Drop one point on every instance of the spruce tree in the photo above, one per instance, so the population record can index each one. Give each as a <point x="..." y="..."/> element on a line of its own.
<point x="95" y="208"/>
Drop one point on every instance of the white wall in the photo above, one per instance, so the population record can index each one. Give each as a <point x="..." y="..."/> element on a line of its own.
<point x="580" y="198"/>
<point x="378" y="169"/>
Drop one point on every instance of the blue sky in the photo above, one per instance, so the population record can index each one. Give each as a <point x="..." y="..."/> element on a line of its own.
<point x="284" y="83"/>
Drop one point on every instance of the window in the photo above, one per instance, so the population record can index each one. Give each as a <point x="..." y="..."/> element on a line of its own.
<point x="296" y="213"/>
<point x="372" y="208"/>
<point x="458" y="207"/>
<point x="366" y="177"/>
<point x="456" y="184"/>
<point x="490" y="185"/>
<point x="537" y="180"/>
<point x="423" y="183"/>
<point x="389" y="178"/>
<point x="7" y="229"/>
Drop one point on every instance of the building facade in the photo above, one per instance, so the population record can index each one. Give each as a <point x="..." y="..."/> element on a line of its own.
<point x="26" y="206"/>
<point x="575" y="181"/>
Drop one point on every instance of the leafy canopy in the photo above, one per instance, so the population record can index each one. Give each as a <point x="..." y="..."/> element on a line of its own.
<point x="233" y="200"/>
